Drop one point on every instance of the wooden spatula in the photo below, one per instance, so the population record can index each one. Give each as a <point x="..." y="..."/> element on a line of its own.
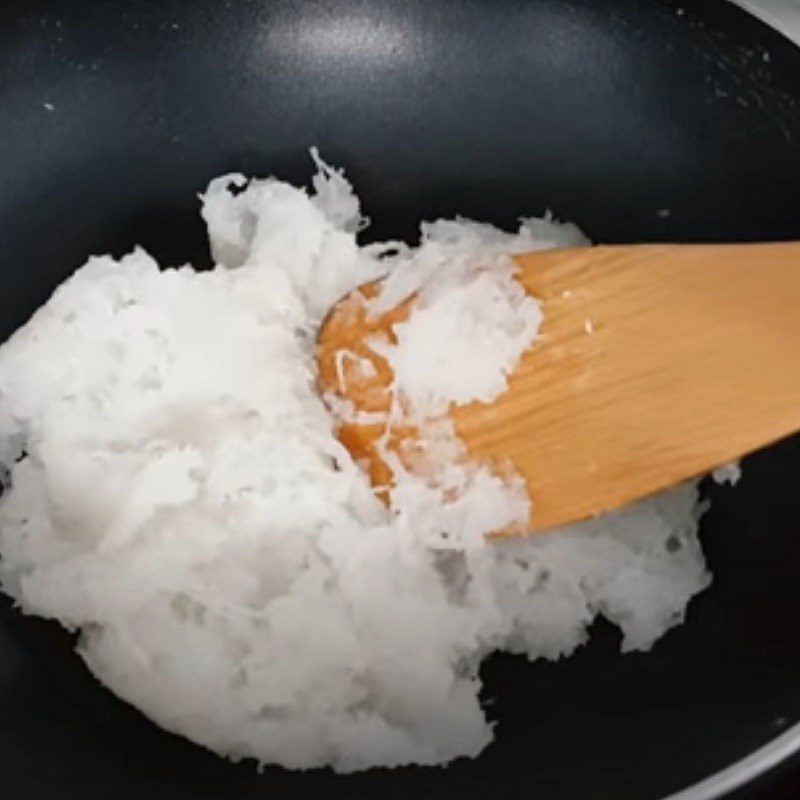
<point x="655" y="364"/>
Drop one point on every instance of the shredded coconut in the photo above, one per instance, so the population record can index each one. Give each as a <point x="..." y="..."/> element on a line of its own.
<point x="175" y="491"/>
<point x="728" y="473"/>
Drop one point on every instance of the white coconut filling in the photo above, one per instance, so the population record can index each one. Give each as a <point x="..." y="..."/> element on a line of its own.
<point x="175" y="491"/>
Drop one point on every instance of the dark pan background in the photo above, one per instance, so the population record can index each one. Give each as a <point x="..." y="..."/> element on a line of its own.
<point x="609" y="112"/>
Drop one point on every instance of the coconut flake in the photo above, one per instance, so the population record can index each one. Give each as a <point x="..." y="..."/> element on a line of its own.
<point x="175" y="491"/>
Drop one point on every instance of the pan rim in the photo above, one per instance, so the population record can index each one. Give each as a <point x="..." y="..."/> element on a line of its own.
<point x="782" y="15"/>
<point x="747" y="769"/>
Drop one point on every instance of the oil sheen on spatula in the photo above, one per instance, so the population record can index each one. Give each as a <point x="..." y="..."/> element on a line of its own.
<point x="654" y="364"/>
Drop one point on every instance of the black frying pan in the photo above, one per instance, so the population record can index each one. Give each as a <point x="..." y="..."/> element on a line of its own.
<point x="635" y="120"/>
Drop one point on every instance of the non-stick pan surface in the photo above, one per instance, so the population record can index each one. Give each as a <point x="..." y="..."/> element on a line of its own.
<point x="640" y="119"/>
